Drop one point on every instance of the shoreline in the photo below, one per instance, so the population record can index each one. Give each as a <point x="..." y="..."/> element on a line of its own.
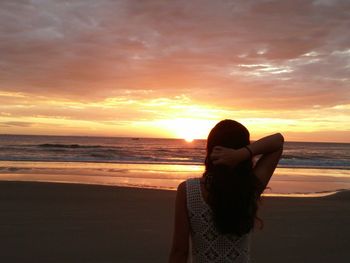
<point x="285" y="181"/>
<point x="57" y="222"/>
<point x="186" y="164"/>
<point x="98" y="181"/>
<point x="290" y="195"/>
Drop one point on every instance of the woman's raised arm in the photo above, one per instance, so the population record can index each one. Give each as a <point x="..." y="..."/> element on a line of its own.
<point x="270" y="147"/>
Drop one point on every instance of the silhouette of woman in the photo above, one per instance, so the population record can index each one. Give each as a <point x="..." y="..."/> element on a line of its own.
<point x="216" y="213"/>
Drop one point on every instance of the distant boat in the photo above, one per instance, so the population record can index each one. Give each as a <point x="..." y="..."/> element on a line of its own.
<point x="135" y="139"/>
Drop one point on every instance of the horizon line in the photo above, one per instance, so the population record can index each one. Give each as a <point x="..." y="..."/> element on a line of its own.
<point x="136" y="137"/>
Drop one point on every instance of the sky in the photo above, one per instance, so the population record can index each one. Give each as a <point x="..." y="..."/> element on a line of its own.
<point x="173" y="69"/>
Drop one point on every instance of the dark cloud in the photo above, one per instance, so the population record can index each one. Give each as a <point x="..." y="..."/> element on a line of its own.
<point x="91" y="50"/>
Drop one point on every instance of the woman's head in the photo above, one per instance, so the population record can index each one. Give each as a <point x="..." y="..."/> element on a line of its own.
<point x="232" y="191"/>
<point x="226" y="133"/>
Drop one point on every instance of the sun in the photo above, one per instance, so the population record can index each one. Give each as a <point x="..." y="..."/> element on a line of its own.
<point x="189" y="139"/>
<point x="188" y="129"/>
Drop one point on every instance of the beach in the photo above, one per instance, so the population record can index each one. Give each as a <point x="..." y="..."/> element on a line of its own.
<point x="54" y="222"/>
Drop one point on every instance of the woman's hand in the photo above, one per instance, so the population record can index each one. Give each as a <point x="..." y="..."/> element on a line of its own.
<point x="225" y="156"/>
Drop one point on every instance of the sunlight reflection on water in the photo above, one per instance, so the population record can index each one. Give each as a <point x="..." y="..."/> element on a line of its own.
<point x="296" y="182"/>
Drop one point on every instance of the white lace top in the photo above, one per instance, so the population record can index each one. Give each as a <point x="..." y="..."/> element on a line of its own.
<point x="207" y="244"/>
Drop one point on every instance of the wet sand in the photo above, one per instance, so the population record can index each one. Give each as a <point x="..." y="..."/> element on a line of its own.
<point x="51" y="222"/>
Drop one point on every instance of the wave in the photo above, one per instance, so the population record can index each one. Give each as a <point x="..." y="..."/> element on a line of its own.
<point x="155" y="151"/>
<point x="148" y="160"/>
<point x="58" y="145"/>
<point x="314" y="162"/>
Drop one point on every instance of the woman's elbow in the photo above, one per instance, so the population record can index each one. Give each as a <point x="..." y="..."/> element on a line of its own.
<point x="280" y="139"/>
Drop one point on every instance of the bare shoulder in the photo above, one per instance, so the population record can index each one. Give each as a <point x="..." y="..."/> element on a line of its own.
<point x="181" y="189"/>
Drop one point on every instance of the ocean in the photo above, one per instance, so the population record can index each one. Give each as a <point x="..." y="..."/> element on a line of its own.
<point x="306" y="168"/>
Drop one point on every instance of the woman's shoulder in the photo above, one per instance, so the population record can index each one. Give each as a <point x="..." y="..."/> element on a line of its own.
<point x="193" y="180"/>
<point x="182" y="187"/>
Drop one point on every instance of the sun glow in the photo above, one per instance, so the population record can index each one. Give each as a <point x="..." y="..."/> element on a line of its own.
<point x="189" y="140"/>
<point x="163" y="118"/>
<point x="188" y="129"/>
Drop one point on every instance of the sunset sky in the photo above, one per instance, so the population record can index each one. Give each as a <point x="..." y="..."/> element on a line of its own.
<point x="161" y="68"/>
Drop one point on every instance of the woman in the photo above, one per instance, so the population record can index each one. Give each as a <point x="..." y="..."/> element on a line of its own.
<point x="215" y="214"/>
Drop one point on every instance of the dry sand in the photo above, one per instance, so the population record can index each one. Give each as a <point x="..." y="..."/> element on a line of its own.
<point x="49" y="222"/>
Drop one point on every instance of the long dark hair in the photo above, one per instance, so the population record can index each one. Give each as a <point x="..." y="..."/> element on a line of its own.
<point x="233" y="193"/>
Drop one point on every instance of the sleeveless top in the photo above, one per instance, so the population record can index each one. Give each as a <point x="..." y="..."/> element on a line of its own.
<point x="208" y="245"/>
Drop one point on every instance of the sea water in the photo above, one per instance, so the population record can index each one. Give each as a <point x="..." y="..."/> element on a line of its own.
<point x="305" y="167"/>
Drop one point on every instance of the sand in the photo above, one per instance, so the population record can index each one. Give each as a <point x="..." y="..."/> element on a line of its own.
<point x="50" y="222"/>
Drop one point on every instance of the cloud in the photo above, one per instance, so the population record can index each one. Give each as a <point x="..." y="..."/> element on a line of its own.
<point x="236" y="55"/>
<point x="15" y="124"/>
<point x="85" y="48"/>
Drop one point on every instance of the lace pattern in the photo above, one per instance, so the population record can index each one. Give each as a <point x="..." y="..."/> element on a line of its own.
<point x="208" y="245"/>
